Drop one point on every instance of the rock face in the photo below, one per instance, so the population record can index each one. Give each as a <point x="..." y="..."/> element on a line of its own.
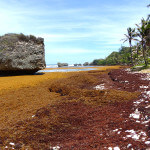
<point x="77" y="65"/>
<point x="86" y="64"/>
<point x="21" y="54"/>
<point x="62" y="64"/>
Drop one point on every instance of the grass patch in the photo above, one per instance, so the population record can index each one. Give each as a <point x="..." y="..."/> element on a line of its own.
<point x="140" y="67"/>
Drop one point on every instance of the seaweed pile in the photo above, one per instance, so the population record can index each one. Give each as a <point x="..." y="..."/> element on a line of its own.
<point x="86" y="117"/>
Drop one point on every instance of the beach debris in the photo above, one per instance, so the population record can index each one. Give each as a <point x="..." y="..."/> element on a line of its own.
<point x="136" y="114"/>
<point x="117" y="130"/>
<point x="114" y="148"/>
<point x="136" y="135"/>
<point x="147" y="142"/>
<point x="11" y="143"/>
<point x="100" y="87"/>
<point x="129" y="145"/>
<point x="55" y="147"/>
<point x="144" y="87"/>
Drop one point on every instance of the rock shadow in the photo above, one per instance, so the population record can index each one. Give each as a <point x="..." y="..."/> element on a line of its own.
<point x="19" y="73"/>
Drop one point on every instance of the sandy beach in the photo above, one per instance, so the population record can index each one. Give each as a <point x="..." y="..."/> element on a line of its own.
<point x="145" y="71"/>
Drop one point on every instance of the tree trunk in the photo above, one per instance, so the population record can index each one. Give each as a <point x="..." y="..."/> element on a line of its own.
<point x="131" y="52"/>
<point x="137" y="52"/>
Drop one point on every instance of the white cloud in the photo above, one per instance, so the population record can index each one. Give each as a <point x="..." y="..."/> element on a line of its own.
<point x="67" y="51"/>
<point x="74" y="51"/>
<point x="66" y="36"/>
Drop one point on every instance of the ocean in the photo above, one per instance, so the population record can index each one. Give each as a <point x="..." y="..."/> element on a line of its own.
<point x="55" y="66"/>
<point x="70" y="68"/>
<point x="70" y="65"/>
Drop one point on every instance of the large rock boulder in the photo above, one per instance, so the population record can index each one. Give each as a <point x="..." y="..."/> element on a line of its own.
<point x="21" y="54"/>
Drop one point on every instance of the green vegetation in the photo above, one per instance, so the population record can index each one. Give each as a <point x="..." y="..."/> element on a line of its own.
<point x="122" y="57"/>
<point x="25" y="38"/>
<point x="140" y="67"/>
<point x="142" y="34"/>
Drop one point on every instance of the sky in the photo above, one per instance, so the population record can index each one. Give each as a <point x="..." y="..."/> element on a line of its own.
<point x="74" y="31"/>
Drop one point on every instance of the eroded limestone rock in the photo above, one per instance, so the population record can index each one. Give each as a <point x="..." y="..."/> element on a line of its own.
<point x="20" y="53"/>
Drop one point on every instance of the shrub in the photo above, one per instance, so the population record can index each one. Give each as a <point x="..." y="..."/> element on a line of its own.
<point x="32" y="38"/>
<point x="22" y="37"/>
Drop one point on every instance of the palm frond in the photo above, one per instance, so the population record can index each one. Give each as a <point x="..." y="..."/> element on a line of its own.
<point x="147" y="19"/>
<point x="126" y="36"/>
<point x="137" y="25"/>
<point x="125" y="40"/>
<point x="135" y="39"/>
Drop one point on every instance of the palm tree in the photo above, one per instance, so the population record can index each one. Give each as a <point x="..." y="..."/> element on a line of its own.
<point x="142" y="34"/>
<point x="130" y="36"/>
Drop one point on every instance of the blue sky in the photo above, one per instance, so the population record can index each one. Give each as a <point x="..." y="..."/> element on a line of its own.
<point x="74" y="31"/>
